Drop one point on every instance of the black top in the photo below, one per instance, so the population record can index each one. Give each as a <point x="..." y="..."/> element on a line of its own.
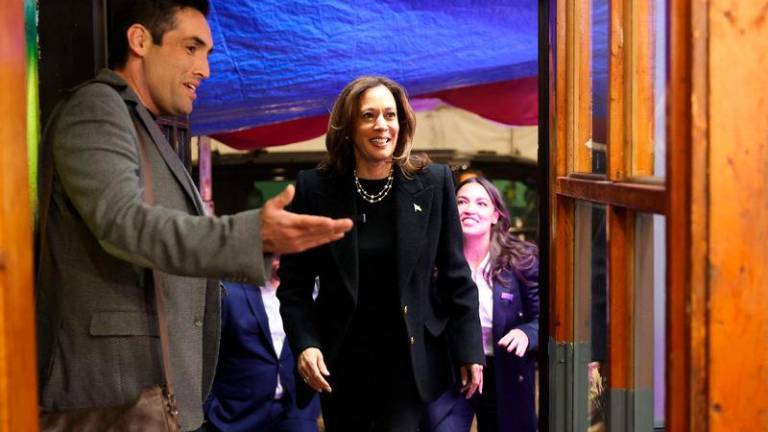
<point x="378" y="306"/>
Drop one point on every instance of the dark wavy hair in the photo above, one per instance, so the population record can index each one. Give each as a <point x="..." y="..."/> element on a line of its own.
<point x="158" y="16"/>
<point x="341" y="127"/>
<point x="509" y="255"/>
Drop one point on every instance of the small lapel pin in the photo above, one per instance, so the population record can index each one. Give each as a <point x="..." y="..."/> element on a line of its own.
<point x="507" y="296"/>
<point x="416" y="208"/>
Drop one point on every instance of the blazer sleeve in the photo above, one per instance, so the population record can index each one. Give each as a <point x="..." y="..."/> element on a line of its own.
<point x="297" y="282"/>
<point x="455" y="281"/>
<point x="96" y="160"/>
<point x="530" y="298"/>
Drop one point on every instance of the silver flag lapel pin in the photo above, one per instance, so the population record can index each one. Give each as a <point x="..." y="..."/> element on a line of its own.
<point x="416" y="208"/>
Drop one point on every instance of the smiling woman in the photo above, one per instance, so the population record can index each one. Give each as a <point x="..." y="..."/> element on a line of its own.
<point x="505" y="271"/>
<point x="376" y="131"/>
<point x="375" y="342"/>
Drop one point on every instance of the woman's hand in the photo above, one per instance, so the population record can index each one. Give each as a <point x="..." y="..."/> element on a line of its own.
<point x="515" y="340"/>
<point x="471" y="379"/>
<point x="313" y="370"/>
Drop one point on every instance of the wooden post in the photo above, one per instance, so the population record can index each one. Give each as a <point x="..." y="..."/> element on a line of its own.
<point x="717" y="235"/>
<point x="737" y="205"/>
<point x="18" y="374"/>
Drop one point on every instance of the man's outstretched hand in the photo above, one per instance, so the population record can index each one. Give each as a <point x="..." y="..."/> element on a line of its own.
<point x="286" y="232"/>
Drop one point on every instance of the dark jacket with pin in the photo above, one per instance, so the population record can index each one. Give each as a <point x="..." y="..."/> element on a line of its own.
<point x="436" y="293"/>
<point x="514" y="307"/>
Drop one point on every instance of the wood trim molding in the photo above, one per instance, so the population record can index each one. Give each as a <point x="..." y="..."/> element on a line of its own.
<point x="561" y="272"/>
<point x="570" y="45"/>
<point x="559" y="145"/>
<point x="736" y="156"/>
<point x="687" y="181"/>
<point x="621" y="247"/>
<point x="617" y="165"/>
<point x="636" y="196"/>
<point x="640" y="85"/>
<point x="581" y="101"/>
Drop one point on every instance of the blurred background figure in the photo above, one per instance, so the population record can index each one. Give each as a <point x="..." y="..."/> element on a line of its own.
<point x="254" y="387"/>
<point x="505" y="271"/>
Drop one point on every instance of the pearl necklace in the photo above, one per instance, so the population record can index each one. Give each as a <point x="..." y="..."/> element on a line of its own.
<point x="374" y="198"/>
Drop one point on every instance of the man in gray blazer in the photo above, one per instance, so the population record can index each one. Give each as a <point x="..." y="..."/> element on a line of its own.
<point x="97" y="324"/>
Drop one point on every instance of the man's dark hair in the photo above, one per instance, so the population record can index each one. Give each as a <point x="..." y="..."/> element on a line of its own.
<point x="158" y="16"/>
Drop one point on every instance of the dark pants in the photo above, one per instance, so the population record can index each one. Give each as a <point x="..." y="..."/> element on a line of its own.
<point x="277" y="421"/>
<point x="453" y="413"/>
<point x="373" y="389"/>
<point x="484" y="404"/>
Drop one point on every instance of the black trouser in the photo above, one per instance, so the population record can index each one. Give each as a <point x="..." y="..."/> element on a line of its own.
<point x="484" y="404"/>
<point x="373" y="388"/>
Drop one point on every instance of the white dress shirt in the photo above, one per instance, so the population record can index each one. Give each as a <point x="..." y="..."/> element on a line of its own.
<point x="485" y="295"/>
<point x="272" y="306"/>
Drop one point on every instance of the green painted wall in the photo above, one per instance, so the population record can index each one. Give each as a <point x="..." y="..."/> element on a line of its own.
<point x="33" y="103"/>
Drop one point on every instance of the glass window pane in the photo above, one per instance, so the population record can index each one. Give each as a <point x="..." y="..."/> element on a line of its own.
<point x="649" y="89"/>
<point x="650" y="320"/>
<point x="591" y="317"/>
<point x="599" y="67"/>
<point x="660" y="86"/>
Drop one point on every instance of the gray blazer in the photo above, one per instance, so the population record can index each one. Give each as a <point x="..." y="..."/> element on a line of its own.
<point x="97" y="325"/>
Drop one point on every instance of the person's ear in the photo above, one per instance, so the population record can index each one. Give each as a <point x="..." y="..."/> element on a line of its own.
<point x="139" y="39"/>
<point x="495" y="217"/>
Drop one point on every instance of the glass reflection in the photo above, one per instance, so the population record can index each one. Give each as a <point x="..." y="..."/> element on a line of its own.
<point x="649" y="339"/>
<point x="591" y="317"/>
<point x="599" y="66"/>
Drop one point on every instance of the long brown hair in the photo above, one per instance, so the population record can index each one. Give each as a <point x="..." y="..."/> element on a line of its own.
<point x="509" y="255"/>
<point x="341" y="127"/>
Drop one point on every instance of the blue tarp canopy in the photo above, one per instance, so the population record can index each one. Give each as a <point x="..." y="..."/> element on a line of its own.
<point x="282" y="60"/>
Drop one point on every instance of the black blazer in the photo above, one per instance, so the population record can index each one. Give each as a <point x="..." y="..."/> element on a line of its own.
<point x="438" y="299"/>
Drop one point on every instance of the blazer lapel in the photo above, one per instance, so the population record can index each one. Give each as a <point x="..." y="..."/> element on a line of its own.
<point x="413" y="204"/>
<point x="256" y="306"/>
<point x="337" y="200"/>
<point x="499" y="311"/>
<point x="172" y="160"/>
<point x="170" y="157"/>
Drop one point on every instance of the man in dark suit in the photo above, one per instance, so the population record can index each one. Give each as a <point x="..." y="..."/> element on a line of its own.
<point x="254" y="388"/>
<point x="96" y="320"/>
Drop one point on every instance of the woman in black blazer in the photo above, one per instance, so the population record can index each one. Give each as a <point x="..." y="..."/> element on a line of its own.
<point x="397" y="308"/>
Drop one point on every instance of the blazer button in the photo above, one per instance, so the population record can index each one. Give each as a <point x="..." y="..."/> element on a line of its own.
<point x="198" y="323"/>
<point x="520" y="314"/>
<point x="520" y="378"/>
<point x="405" y="310"/>
<point x="413" y="340"/>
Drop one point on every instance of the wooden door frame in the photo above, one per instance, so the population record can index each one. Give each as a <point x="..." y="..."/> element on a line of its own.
<point x="714" y="200"/>
<point x="717" y="350"/>
<point x="620" y="189"/>
<point x="18" y="373"/>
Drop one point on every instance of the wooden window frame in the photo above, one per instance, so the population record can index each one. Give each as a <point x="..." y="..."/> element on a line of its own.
<point x="627" y="187"/>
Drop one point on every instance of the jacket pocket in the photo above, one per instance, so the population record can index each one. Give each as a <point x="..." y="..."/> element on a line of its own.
<point x="436" y="326"/>
<point x="123" y="323"/>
